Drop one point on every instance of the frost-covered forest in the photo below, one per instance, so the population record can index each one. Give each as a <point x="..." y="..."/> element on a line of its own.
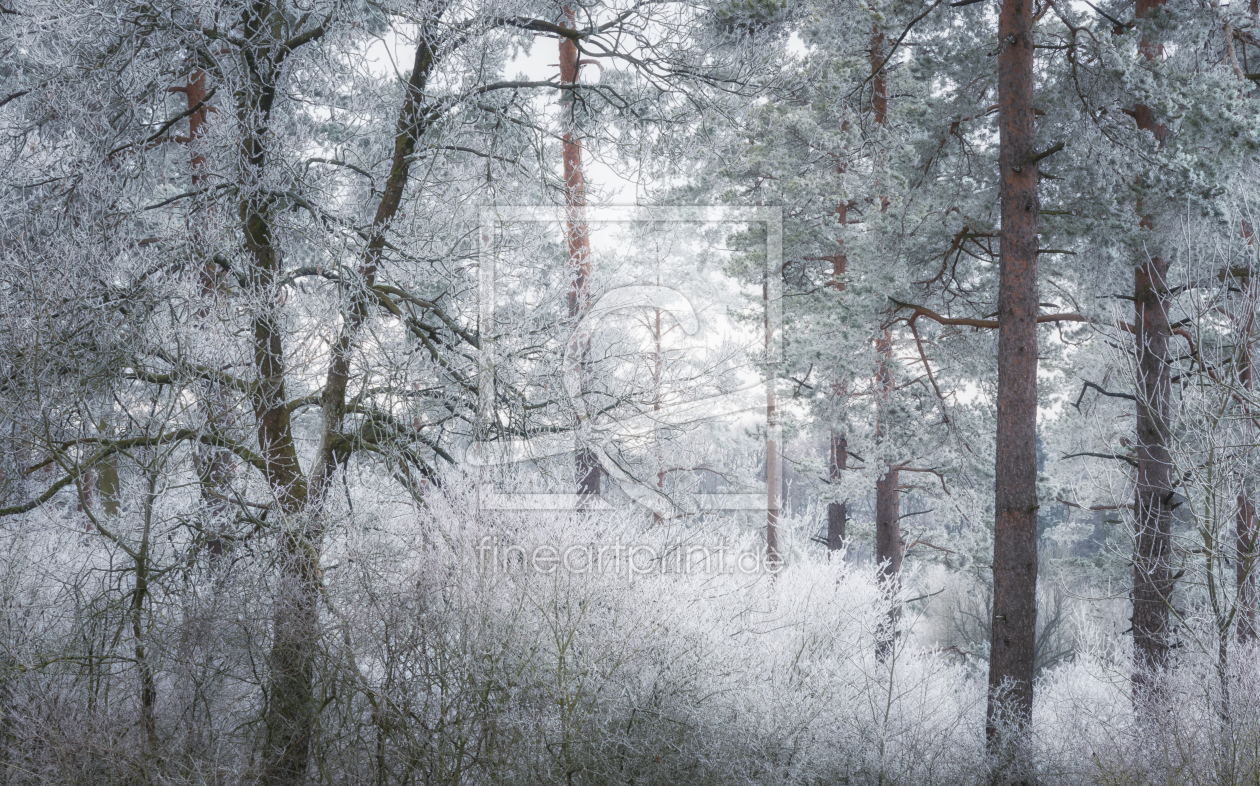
<point x="629" y="392"/>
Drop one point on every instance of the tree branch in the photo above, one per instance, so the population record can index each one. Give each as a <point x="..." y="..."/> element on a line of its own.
<point x="1089" y="385"/>
<point x="1127" y="459"/>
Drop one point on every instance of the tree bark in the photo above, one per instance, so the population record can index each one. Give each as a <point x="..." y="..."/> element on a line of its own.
<point x="1152" y="569"/>
<point x="879" y="83"/>
<point x="773" y="557"/>
<point x="1248" y="597"/>
<point x="139" y="630"/>
<point x="290" y="714"/>
<point x="1153" y="489"/>
<point x="577" y="236"/>
<point x="888" y="550"/>
<point x="837" y="512"/>
<point x="334" y="446"/>
<point x="291" y="711"/>
<point x="1248" y="594"/>
<point x="838" y="443"/>
<point x="888" y="554"/>
<point x="215" y="467"/>
<point x="1015" y="499"/>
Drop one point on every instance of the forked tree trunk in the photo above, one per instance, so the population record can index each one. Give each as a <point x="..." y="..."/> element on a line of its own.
<point x="1014" y="622"/>
<point x="577" y="236"/>
<point x="1153" y="489"/>
<point x="291" y="712"/>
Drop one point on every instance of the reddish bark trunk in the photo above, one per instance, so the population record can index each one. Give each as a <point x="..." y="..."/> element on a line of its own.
<point x="658" y="361"/>
<point x="1245" y="565"/>
<point x="772" y="444"/>
<point x="1015" y="498"/>
<point x="887" y="511"/>
<point x="216" y="468"/>
<point x="1152" y="569"/>
<point x="1153" y="487"/>
<point x="577" y="235"/>
<point x="888" y="553"/>
<point x="837" y="512"/>
<point x="879" y="83"/>
<point x="887" y="496"/>
<point x="838" y="447"/>
<point x="888" y="549"/>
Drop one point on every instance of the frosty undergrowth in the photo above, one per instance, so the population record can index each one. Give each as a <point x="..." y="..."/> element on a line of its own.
<point x="442" y="665"/>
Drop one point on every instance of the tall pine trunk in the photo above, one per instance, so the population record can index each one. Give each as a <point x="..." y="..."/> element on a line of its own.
<point x="577" y="236"/>
<point x="837" y="442"/>
<point x="772" y="441"/>
<point x="1153" y="489"/>
<point x="1152" y="568"/>
<point x="837" y="511"/>
<point x="888" y="550"/>
<point x="887" y="496"/>
<point x="1015" y="499"/>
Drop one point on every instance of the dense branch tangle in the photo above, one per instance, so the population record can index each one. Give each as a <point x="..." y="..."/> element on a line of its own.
<point x="282" y="234"/>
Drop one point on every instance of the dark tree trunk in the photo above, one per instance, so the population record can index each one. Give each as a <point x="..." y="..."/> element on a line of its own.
<point x="139" y="630"/>
<point x="291" y="711"/>
<point x="888" y="553"/>
<point x="837" y="512"/>
<point x="334" y="445"/>
<point x="1015" y="499"/>
<point x="888" y="549"/>
<point x="887" y="500"/>
<point x="1153" y="489"/>
<point x="887" y="512"/>
<point x="838" y="444"/>
<point x="577" y="235"/>
<point x="1245" y="565"/>
<point x="879" y="83"/>
<point x="772" y="444"/>
<point x="215" y="467"/>
<point x="1152" y="569"/>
